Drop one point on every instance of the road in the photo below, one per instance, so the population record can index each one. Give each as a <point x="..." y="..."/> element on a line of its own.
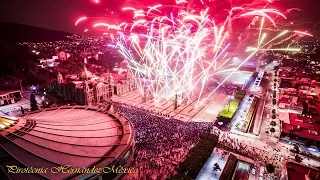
<point x="207" y="171"/>
<point x="14" y="109"/>
<point x="260" y="108"/>
<point x="268" y="147"/>
<point x="264" y="141"/>
<point x="242" y="171"/>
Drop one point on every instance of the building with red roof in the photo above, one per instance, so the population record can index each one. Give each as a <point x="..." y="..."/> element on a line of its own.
<point x="301" y="126"/>
<point x="296" y="171"/>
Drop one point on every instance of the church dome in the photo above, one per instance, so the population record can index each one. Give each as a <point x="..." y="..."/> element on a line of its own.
<point x="60" y="78"/>
<point x="86" y="74"/>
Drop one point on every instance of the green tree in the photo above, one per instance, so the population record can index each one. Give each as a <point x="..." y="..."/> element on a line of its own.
<point x="199" y="154"/>
<point x="272" y="130"/>
<point x="270" y="168"/>
<point x="180" y="176"/>
<point x="308" y="143"/>
<point x="298" y="158"/>
<point x="19" y="62"/>
<point x="70" y="66"/>
<point x="274" y="101"/>
<point x="296" y="148"/>
<point x="33" y="102"/>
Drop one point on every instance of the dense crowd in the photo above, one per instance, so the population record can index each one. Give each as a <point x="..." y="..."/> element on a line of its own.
<point x="161" y="143"/>
<point x="260" y="156"/>
<point x="226" y="88"/>
<point x="239" y="148"/>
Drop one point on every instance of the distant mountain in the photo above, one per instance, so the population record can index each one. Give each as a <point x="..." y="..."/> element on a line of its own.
<point x="12" y="32"/>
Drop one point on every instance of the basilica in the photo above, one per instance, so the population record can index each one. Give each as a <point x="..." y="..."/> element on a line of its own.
<point x="87" y="88"/>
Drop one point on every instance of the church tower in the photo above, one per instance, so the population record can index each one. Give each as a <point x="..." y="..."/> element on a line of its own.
<point x="60" y="78"/>
<point x="111" y="85"/>
<point x="86" y="93"/>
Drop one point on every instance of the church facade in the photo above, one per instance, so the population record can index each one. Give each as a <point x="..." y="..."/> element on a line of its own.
<point x="88" y="89"/>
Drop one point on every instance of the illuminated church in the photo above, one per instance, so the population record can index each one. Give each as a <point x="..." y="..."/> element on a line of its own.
<point x="87" y="88"/>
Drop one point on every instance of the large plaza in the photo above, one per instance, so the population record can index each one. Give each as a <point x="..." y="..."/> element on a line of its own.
<point x="188" y="111"/>
<point x="165" y="90"/>
<point x="184" y="112"/>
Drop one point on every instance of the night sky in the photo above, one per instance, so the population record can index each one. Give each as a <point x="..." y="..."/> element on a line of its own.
<point x="61" y="14"/>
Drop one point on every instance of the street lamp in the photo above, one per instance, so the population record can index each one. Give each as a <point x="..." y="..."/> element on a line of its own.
<point x="43" y="102"/>
<point x="144" y="94"/>
<point x="230" y="98"/>
<point x="229" y="103"/>
<point x="21" y="89"/>
<point x="176" y="100"/>
<point x="33" y="88"/>
<point x="244" y="84"/>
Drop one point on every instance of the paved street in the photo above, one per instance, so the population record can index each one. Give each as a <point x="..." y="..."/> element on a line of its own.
<point x="208" y="113"/>
<point x="242" y="112"/>
<point x="270" y="150"/>
<point x="14" y="109"/>
<point x="258" y="139"/>
<point x="264" y="141"/>
<point x="207" y="172"/>
<point x="259" y="118"/>
<point x="242" y="171"/>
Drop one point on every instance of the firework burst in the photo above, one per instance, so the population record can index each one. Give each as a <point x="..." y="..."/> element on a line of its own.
<point x="176" y="55"/>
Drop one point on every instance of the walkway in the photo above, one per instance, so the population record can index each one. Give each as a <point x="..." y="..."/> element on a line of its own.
<point x="207" y="172"/>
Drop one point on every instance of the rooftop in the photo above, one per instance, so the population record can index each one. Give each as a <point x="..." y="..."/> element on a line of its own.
<point x="298" y="172"/>
<point x="302" y="126"/>
<point x="64" y="136"/>
<point x="6" y="92"/>
<point x="293" y="100"/>
<point x="285" y="84"/>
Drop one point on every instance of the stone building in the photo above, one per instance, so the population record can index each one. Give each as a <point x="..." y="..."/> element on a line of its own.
<point x="87" y="89"/>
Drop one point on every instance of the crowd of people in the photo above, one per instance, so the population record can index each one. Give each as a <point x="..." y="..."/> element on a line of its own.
<point x="14" y="111"/>
<point x="161" y="143"/>
<point x="235" y="146"/>
<point x="226" y="88"/>
<point x="261" y="156"/>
